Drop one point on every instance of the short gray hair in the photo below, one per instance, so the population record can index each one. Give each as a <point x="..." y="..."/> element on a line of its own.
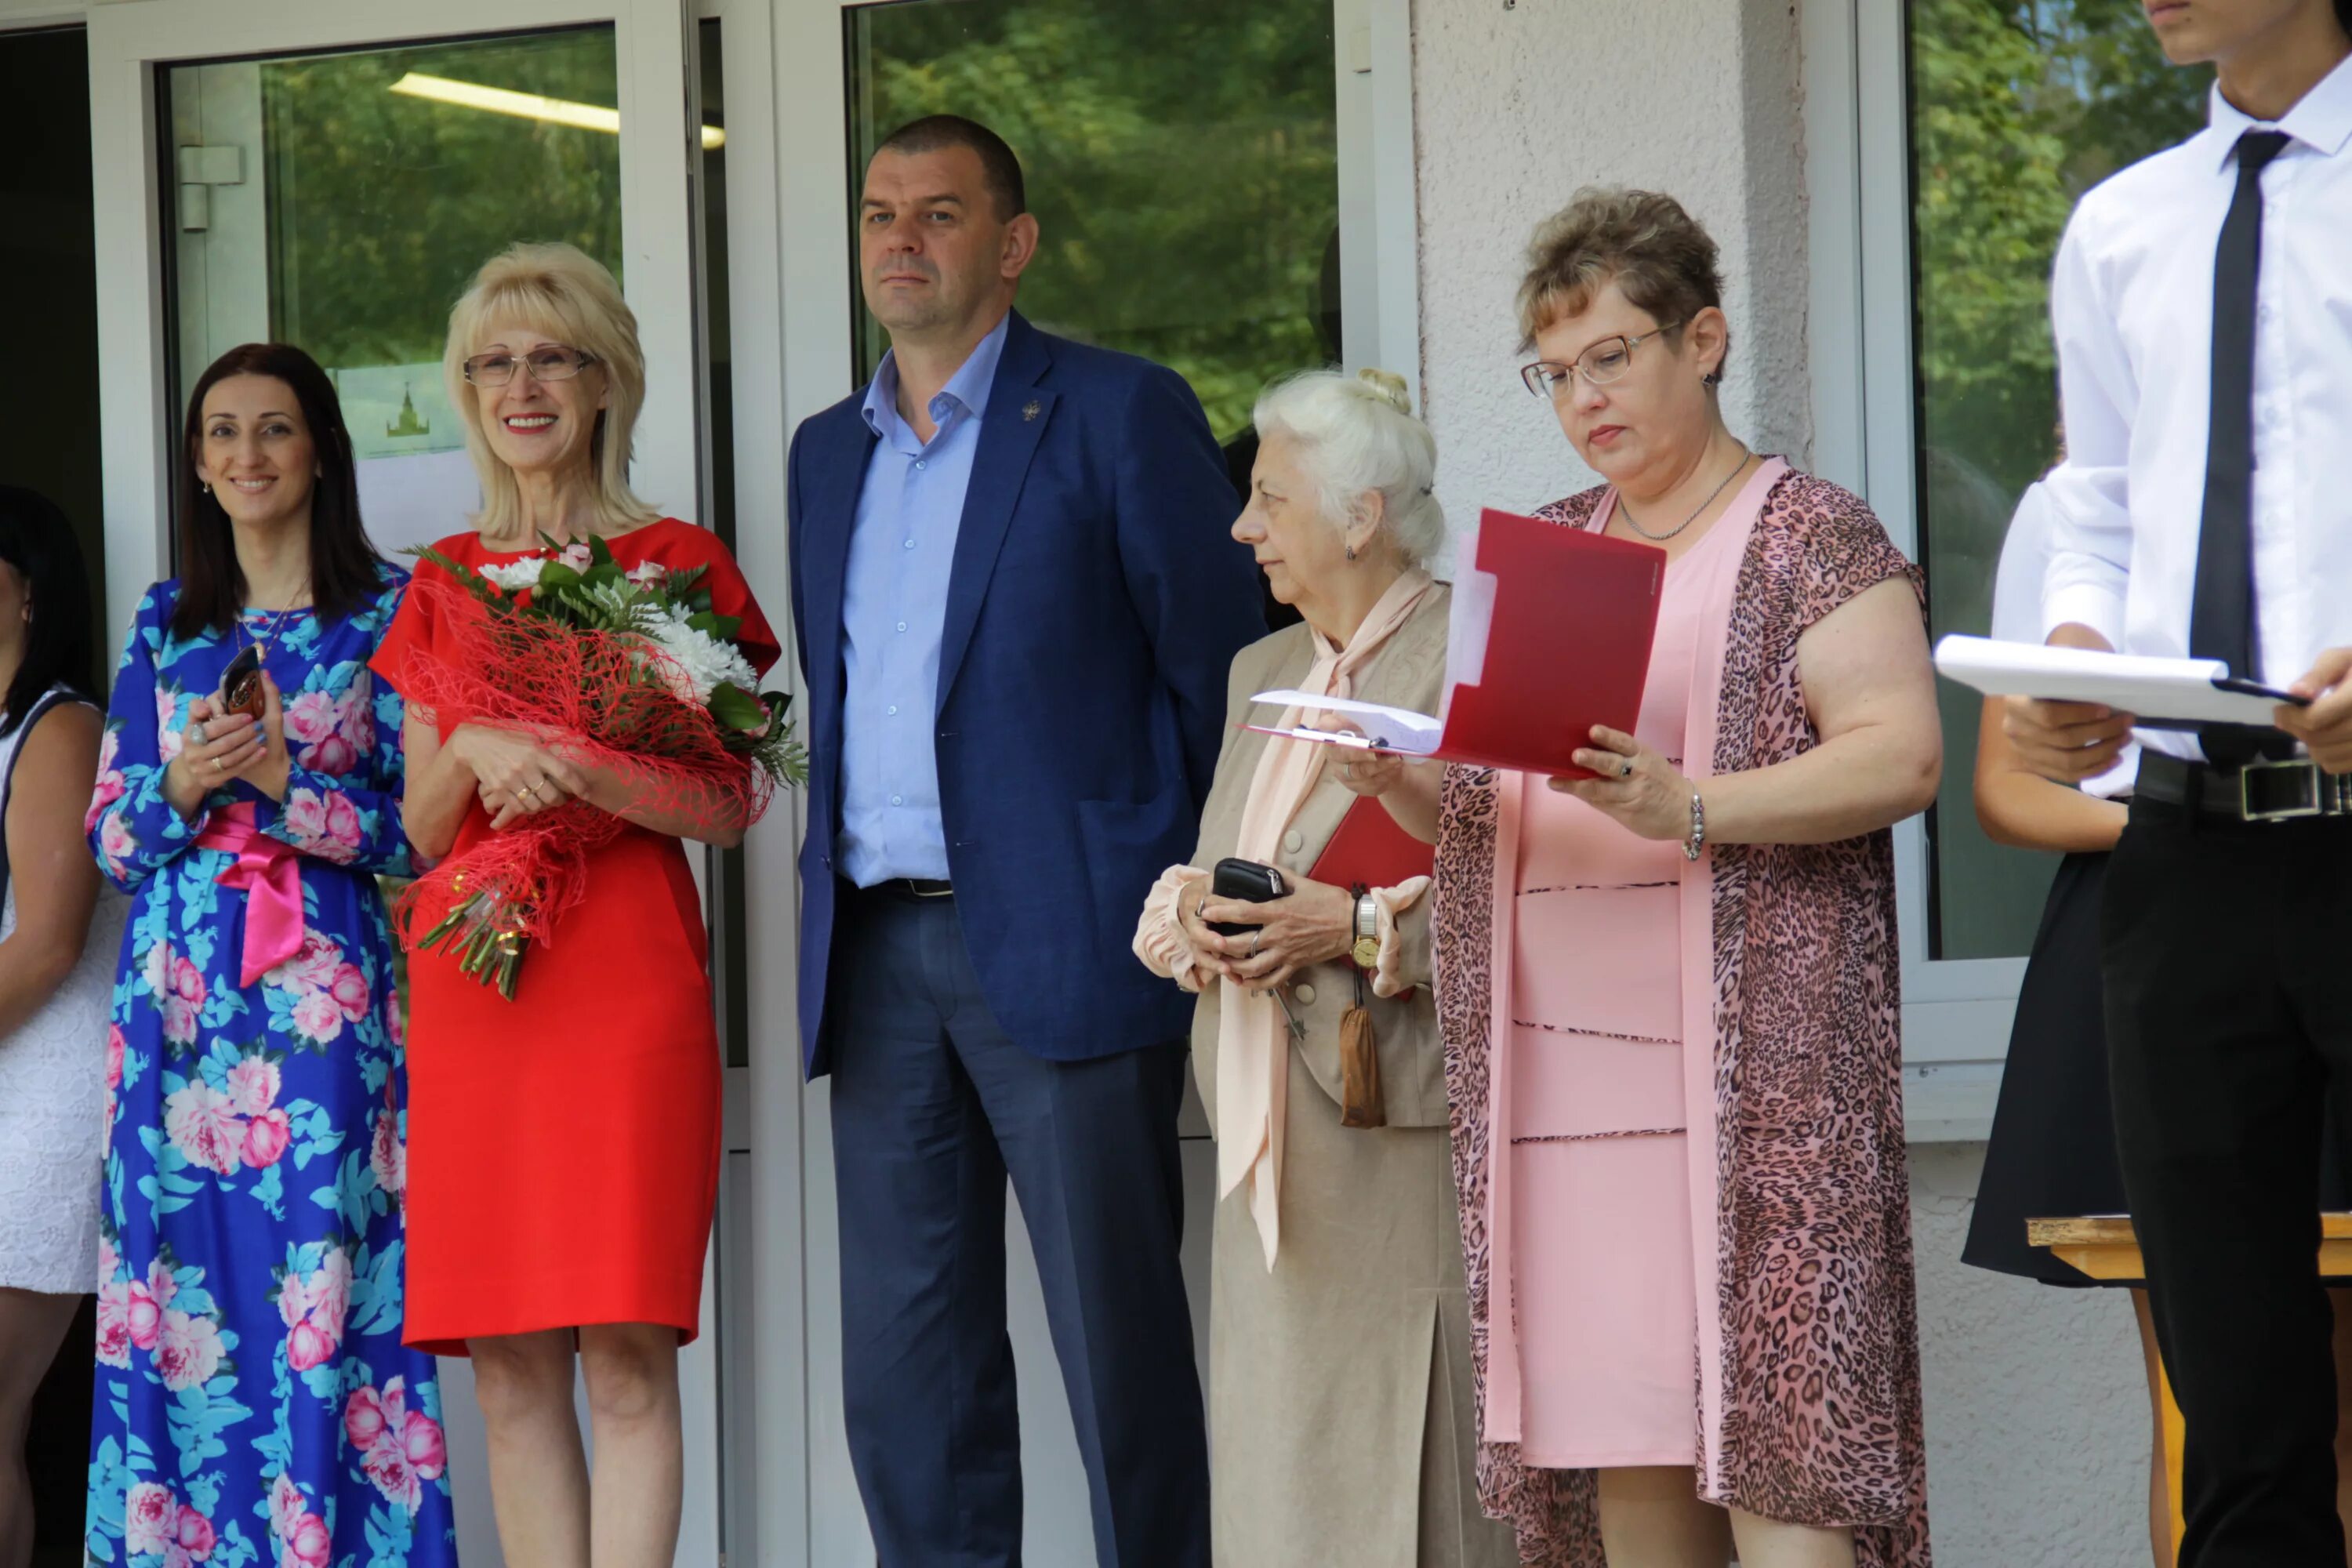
<point x="1356" y="437"/>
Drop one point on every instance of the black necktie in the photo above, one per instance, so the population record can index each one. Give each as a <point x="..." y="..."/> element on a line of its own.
<point x="2221" y="621"/>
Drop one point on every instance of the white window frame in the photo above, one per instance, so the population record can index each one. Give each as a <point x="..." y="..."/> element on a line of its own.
<point x="791" y="287"/>
<point x="1956" y="1012"/>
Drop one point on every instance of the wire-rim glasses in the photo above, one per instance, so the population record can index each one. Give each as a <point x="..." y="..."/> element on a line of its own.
<point x="1599" y="365"/>
<point x="548" y="362"/>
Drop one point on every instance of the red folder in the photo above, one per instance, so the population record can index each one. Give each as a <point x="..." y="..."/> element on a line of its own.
<point x="1566" y="646"/>
<point x="1370" y="849"/>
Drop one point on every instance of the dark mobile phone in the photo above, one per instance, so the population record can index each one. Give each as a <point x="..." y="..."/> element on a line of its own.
<point x="241" y="684"/>
<point x="1248" y="883"/>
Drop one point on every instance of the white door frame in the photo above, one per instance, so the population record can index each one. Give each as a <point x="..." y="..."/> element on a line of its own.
<point x="141" y="419"/>
<point x="775" y="1475"/>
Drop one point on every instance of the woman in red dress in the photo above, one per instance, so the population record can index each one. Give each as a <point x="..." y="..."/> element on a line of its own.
<point x="564" y="1146"/>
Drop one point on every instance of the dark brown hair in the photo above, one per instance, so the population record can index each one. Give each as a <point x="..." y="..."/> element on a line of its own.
<point x="37" y="541"/>
<point x="1657" y="254"/>
<point x="935" y="132"/>
<point x="345" y="570"/>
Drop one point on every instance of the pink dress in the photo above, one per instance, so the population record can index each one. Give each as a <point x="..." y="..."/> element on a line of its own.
<point x="1601" y="1245"/>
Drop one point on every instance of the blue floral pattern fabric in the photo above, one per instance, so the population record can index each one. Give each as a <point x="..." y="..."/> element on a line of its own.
<point x="254" y="1403"/>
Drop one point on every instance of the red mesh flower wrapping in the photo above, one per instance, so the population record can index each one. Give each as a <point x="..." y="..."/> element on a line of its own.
<point x="600" y="698"/>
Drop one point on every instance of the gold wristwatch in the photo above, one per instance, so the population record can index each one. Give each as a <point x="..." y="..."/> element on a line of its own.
<point x="1366" y="950"/>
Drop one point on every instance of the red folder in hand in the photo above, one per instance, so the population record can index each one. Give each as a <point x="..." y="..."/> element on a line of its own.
<point x="1551" y="636"/>
<point x="1370" y="849"/>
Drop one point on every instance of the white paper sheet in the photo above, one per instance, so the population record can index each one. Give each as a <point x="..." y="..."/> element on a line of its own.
<point x="2160" y="691"/>
<point x="1385" y="729"/>
<point x="1469" y="620"/>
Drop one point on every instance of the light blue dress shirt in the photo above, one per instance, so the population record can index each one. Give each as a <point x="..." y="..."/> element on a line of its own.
<point x="894" y="605"/>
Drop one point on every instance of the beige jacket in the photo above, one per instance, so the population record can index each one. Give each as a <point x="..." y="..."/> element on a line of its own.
<point x="1407" y="672"/>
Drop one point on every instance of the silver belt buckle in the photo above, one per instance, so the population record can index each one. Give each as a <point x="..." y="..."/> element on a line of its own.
<point x="2318" y="788"/>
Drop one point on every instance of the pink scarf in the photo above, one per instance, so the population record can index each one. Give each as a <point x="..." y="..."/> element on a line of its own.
<point x="1253" y="1040"/>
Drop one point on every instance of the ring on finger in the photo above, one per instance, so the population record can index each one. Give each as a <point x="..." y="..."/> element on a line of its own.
<point x="1255" y="941"/>
<point x="1625" y="768"/>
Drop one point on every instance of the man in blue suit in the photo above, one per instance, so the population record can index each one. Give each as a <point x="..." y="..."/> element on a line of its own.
<point x="1016" y="602"/>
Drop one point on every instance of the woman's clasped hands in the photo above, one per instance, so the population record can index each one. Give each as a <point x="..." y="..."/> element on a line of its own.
<point x="218" y="745"/>
<point x="1314" y="923"/>
<point x="517" y="773"/>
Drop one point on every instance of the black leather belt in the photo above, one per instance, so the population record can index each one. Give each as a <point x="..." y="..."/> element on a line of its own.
<point x="910" y="888"/>
<point x="2260" y="792"/>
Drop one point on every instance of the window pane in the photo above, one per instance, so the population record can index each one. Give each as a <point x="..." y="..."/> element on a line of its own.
<point x="2016" y="109"/>
<point x="1182" y="162"/>
<point x="342" y="202"/>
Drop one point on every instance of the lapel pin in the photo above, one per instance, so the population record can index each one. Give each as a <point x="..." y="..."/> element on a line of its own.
<point x="1030" y="409"/>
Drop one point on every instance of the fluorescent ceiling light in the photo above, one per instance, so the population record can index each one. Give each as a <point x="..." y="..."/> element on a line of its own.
<point x="527" y="105"/>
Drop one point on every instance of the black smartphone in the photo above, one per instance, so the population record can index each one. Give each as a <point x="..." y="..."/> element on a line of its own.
<point x="241" y="683"/>
<point x="1247" y="881"/>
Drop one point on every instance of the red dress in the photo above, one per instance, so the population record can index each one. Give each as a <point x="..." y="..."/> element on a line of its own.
<point x="563" y="1147"/>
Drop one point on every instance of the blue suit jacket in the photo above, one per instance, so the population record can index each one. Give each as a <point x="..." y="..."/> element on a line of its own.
<point x="1096" y="602"/>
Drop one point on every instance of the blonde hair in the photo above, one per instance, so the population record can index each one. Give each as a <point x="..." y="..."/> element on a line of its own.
<point x="563" y="291"/>
<point x="1662" y="258"/>
<point x="1357" y="437"/>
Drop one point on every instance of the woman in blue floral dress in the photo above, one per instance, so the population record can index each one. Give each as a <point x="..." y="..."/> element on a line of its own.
<point x="255" y="1404"/>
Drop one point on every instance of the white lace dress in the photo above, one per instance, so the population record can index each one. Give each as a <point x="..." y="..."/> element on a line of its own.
<point x="53" y="1111"/>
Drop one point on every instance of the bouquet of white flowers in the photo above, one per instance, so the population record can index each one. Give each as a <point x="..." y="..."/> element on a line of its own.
<point x="629" y="668"/>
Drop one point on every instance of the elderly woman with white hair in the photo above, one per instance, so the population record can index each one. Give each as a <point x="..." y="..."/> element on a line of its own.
<point x="1341" y="1418"/>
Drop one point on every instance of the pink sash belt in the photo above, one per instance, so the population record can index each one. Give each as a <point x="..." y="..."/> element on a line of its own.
<point x="268" y="872"/>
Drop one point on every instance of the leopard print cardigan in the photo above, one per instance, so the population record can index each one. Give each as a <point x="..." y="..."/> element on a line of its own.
<point x="1821" y="1419"/>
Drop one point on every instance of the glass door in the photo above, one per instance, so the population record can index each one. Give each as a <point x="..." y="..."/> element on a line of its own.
<point x="325" y="176"/>
<point x="331" y="175"/>
<point x="340" y="202"/>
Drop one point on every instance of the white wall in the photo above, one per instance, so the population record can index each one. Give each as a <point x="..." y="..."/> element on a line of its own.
<point x="2037" y="1421"/>
<point x="1514" y="109"/>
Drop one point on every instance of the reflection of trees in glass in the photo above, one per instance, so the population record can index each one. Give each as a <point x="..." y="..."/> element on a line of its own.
<point x="1181" y="160"/>
<point x="381" y="205"/>
<point x="2018" y="107"/>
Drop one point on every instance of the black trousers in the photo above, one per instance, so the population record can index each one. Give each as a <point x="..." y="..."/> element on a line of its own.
<point x="2227" y="952"/>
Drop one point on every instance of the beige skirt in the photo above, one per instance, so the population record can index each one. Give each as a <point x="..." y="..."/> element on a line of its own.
<point x="1342" y="1426"/>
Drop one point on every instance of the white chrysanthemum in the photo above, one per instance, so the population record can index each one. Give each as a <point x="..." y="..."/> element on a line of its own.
<point x="695" y="663"/>
<point x="516" y="575"/>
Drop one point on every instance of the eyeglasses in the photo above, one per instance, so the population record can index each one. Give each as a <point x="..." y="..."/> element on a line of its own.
<point x="1602" y="363"/>
<point x="548" y="362"/>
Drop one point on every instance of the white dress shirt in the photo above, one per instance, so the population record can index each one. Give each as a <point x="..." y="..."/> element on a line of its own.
<point x="2017" y="609"/>
<point x="2131" y="303"/>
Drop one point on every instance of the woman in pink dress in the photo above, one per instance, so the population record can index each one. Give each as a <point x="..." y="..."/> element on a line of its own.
<point x="1668" y="990"/>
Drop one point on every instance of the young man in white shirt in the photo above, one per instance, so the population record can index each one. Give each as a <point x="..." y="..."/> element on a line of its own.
<point x="2202" y="305"/>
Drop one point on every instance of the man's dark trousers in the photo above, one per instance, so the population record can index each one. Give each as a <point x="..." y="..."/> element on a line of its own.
<point x="2228" y="966"/>
<point x="932" y="1106"/>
